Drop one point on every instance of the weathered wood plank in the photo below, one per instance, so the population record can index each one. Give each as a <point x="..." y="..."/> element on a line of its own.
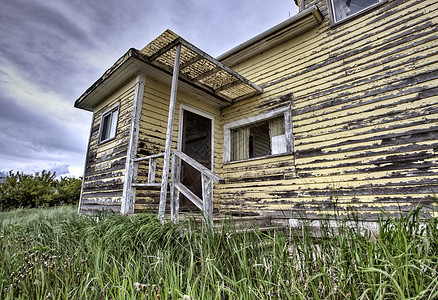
<point x="197" y="166"/>
<point x="207" y="198"/>
<point x="174" y="192"/>
<point x="166" y="167"/>
<point x="189" y="194"/>
<point x="149" y="184"/>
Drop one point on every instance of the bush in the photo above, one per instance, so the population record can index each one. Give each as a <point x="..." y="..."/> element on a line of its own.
<point x="38" y="190"/>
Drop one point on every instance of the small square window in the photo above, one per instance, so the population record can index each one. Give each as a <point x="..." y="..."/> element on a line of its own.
<point x="108" y="125"/>
<point x="259" y="136"/>
<point x="342" y="9"/>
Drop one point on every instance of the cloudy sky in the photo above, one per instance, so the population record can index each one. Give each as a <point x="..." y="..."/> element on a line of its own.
<point x="51" y="51"/>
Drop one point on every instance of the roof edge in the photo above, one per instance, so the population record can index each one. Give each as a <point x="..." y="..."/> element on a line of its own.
<point x="132" y="52"/>
<point x="313" y="10"/>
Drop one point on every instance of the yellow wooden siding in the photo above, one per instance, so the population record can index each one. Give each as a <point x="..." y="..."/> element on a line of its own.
<point x="364" y="114"/>
<point x="105" y="165"/>
<point x="152" y="137"/>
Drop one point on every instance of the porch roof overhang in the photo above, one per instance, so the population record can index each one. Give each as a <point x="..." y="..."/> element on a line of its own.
<point x="200" y="74"/>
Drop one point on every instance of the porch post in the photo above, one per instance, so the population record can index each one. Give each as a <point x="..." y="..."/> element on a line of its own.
<point x="167" y="149"/>
<point x="128" y="197"/>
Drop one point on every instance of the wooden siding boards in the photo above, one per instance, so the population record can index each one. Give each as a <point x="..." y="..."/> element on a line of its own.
<point x="364" y="103"/>
<point x="364" y="113"/>
<point x="105" y="163"/>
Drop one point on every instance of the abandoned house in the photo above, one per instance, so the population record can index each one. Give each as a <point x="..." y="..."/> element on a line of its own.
<point x="333" y="110"/>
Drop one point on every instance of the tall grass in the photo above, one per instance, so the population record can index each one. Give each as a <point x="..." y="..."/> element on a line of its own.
<point x="58" y="254"/>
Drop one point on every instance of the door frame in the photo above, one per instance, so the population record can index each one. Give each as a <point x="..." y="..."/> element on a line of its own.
<point x="202" y="113"/>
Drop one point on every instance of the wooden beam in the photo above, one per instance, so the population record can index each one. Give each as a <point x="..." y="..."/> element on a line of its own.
<point x="221" y="100"/>
<point x="128" y="197"/>
<point x="207" y="199"/>
<point x="204" y="87"/>
<point x="174" y="192"/>
<point x="168" y="47"/>
<point x="189" y="194"/>
<point x="152" y="184"/>
<point x="229" y="85"/>
<point x="206" y="74"/>
<point x="191" y="62"/>
<point x="152" y="169"/>
<point x="149" y="157"/>
<point x="198" y="166"/>
<point x="168" y="146"/>
<point x="221" y="65"/>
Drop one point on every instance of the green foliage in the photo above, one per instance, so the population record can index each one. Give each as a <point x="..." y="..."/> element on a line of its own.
<point x="58" y="254"/>
<point x="68" y="190"/>
<point x="38" y="190"/>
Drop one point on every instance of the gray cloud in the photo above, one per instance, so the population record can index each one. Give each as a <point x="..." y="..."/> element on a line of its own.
<point x="52" y="51"/>
<point x="35" y="37"/>
<point x="32" y="135"/>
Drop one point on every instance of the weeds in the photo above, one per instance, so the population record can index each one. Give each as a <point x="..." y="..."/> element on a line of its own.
<point x="56" y="253"/>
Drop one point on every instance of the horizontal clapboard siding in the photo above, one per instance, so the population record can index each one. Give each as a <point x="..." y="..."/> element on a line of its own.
<point x="105" y="165"/>
<point x="364" y="98"/>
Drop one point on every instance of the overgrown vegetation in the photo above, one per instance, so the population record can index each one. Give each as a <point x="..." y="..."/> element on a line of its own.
<point x="56" y="253"/>
<point x="38" y="190"/>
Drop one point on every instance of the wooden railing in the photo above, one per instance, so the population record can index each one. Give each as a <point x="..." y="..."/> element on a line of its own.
<point x="151" y="172"/>
<point x="207" y="178"/>
<point x="176" y="186"/>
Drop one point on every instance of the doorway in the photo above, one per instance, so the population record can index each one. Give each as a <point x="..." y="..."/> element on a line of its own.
<point x="196" y="142"/>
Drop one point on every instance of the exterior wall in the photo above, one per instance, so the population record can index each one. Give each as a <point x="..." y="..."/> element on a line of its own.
<point x="152" y="137"/>
<point x="364" y="98"/>
<point x="105" y="164"/>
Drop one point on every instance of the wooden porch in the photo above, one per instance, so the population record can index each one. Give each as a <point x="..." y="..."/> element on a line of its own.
<point x="208" y="178"/>
<point x="206" y="77"/>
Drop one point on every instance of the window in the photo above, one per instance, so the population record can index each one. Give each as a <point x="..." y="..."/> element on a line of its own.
<point x="342" y="9"/>
<point x="259" y="136"/>
<point x="108" y="125"/>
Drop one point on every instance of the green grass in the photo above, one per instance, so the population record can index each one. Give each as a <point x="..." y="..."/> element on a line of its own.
<point x="57" y="254"/>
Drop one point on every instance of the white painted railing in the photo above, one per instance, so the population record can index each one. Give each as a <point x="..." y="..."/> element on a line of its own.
<point x="176" y="186"/>
<point x="207" y="178"/>
<point x="151" y="172"/>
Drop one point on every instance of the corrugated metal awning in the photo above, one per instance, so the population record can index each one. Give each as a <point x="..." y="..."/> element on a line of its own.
<point x="198" y="68"/>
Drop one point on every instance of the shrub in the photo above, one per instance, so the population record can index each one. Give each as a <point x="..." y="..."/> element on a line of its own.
<point x="38" y="190"/>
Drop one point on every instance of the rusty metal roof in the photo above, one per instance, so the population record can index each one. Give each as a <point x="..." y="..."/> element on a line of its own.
<point x="198" y="68"/>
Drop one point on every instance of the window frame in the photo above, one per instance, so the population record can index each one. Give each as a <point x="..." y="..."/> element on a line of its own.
<point x="287" y="114"/>
<point x="185" y="107"/>
<point x="112" y="110"/>
<point x="333" y="21"/>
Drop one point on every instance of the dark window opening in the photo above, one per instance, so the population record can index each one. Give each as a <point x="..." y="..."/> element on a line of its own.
<point x="108" y="125"/>
<point x="260" y="139"/>
<point x="342" y="9"/>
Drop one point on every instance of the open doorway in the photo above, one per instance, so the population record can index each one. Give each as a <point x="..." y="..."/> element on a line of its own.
<point x="196" y="141"/>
